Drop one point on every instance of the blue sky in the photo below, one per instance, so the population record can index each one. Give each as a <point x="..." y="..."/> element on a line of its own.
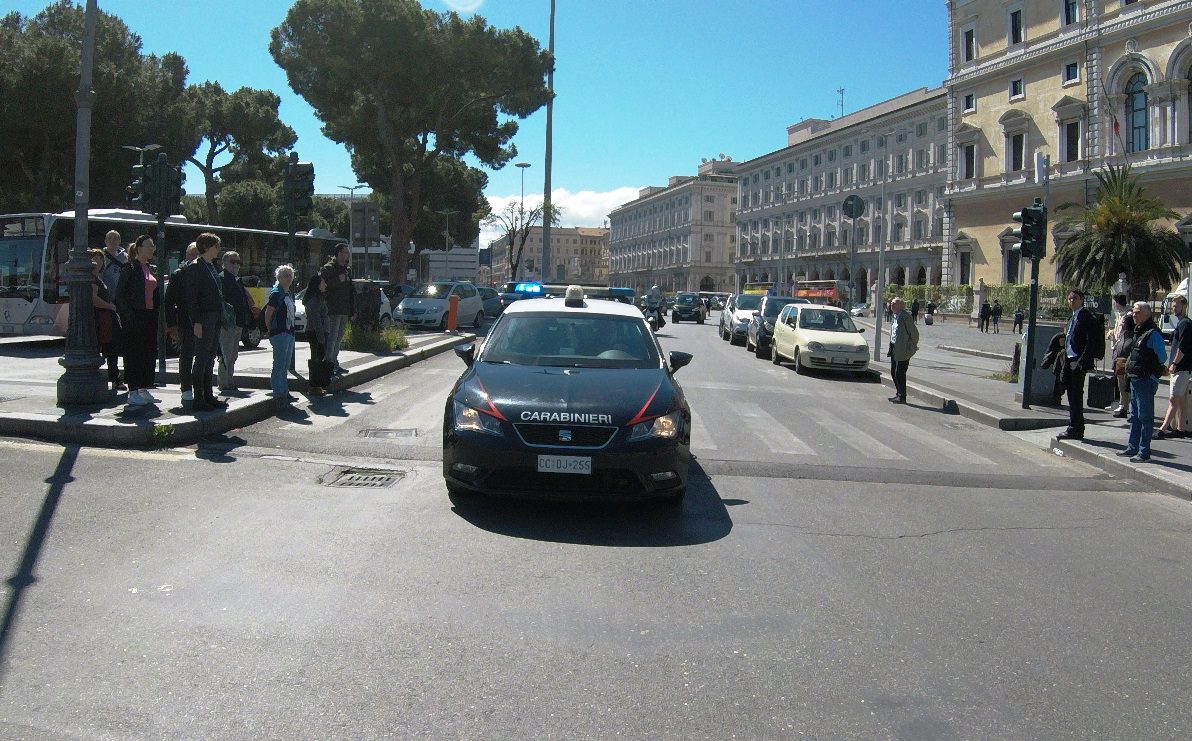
<point x="645" y="87"/>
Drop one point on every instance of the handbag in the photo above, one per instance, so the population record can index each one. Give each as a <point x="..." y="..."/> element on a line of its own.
<point x="228" y="316"/>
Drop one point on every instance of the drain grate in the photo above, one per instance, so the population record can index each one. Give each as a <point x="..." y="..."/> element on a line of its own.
<point x="358" y="478"/>
<point x="407" y="432"/>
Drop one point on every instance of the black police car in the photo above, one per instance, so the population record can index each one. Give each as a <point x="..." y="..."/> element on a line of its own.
<point x="568" y="398"/>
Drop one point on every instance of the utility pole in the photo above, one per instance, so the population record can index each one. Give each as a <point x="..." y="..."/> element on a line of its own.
<point x="1042" y="175"/>
<point x="550" y="117"/>
<point x="840" y="92"/>
<point x="352" y="226"/>
<point x="82" y="382"/>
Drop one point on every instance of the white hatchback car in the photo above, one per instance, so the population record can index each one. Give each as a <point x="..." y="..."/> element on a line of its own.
<point x="815" y="336"/>
<point x="427" y="305"/>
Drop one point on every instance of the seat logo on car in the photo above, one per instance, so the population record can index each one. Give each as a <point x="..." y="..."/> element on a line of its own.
<point x="579" y="417"/>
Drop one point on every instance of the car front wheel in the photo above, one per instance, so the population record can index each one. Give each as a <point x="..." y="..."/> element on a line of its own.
<point x="799" y="367"/>
<point x="759" y="352"/>
<point x="443" y="323"/>
<point x="775" y="358"/>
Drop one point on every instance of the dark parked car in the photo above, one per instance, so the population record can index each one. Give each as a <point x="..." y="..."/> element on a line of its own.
<point x="493" y="306"/>
<point x="689" y="306"/>
<point x="761" y="325"/>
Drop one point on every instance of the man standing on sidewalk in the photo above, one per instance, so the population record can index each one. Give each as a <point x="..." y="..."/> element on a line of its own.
<point x="340" y="302"/>
<point x="229" y="338"/>
<point x="179" y="325"/>
<point x="1080" y="341"/>
<point x="1181" y="369"/>
<point x="904" y="343"/>
<point x="1146" y="361"/>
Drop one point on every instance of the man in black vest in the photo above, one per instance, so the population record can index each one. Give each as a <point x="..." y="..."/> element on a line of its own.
<point x="178" y="324"/>
<point x="1080" y="342"/>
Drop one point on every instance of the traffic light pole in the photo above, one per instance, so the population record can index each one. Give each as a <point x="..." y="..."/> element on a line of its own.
<point x="1041" y="163"/>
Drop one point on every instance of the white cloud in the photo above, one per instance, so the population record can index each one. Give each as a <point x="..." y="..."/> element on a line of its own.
<point x="585" y="208"/>
<point x="464" y="6"/>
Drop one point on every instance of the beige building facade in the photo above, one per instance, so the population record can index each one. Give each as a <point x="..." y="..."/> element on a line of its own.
<point x="1087" y="83"/>
<point x="681" y="237"/>
<point x="580" y="255"/>
<point x="791" y="221"/>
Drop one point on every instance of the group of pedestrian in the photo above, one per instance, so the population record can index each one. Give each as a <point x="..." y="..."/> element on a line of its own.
<point x="205" y="310"/>
<point x="990" y="316"/>
<point x="1140" y="358"/>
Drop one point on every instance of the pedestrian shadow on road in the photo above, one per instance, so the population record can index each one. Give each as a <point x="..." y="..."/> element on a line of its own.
<point x="332" y="405"/>
<point x="218" y="448"/>
<point x="702" y="518"/>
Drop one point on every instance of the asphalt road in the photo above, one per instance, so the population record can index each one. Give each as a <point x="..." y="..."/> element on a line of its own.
<point x="842" y="568"/>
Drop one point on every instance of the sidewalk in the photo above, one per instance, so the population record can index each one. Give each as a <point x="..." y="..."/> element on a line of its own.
<point x="29" y="373"/>
<point x="952" y="371"/>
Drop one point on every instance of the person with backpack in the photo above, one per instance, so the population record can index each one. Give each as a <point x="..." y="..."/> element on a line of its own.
<point x="1146" y="362"/>
<point x="1082" y="339"/>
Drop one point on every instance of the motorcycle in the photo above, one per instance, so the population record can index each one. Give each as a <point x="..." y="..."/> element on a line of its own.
<point x="653" y="312"/>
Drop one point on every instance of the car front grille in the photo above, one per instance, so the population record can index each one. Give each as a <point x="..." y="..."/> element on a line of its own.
<point x="554" y="436"/>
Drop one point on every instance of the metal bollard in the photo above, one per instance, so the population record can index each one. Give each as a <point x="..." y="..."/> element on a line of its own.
<point x="452" y="312"/>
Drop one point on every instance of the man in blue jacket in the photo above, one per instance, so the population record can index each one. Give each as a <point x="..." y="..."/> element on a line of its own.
<point x="1144" y="365"/>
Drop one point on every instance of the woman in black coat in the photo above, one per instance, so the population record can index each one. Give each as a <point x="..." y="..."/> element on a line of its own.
<point x="138" y="299"/>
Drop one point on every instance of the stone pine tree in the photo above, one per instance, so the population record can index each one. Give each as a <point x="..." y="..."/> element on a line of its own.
<point x="232" y="130"/>
<point x="1118" y="233"/>
<point x="407" y="87"/>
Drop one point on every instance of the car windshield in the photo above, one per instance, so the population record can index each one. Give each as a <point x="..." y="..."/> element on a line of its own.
<point x="686" y="299"/>
<point x="571" y="341"/>
<point x="433" y="290"/>
<point x="749" y="302"/>
<point x="826" y="320"/>
<point x="774" y="305"/>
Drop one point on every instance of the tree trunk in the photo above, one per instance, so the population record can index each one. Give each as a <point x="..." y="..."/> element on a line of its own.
<point x="403" y="232"/>
<point x="212" y="209"/>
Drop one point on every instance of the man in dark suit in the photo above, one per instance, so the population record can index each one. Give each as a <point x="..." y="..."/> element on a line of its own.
<point x="1079" y="344"/>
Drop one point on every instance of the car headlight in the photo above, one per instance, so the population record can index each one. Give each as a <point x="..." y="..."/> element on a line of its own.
<point x="667" y="426"/>
<point x="861" y="350"/>
<point x="815" y="346"/>
<point x="472" y="420"/>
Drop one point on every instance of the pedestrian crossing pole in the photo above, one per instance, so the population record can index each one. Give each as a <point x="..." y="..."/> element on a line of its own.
<point x="1043" y="176"/>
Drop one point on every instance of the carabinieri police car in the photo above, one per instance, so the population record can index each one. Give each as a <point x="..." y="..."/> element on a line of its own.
<point x="568" y="398"/>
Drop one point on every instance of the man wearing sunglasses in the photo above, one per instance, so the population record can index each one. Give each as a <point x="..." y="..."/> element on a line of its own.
<point x="236" y="296"/>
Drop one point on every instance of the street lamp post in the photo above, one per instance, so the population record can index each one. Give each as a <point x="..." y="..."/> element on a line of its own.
<point x="352" y="225"/>
<point x="141" y="151"/>
<point x="81" y="381"/>
<point x="550" y="117"/>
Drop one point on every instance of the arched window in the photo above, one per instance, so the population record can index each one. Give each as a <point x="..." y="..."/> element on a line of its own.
<point x="1136" y="135"/>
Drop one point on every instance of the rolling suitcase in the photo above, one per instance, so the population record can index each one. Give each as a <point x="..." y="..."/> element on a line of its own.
<point x="318" y="373"/>
<point x="1101" y="389"/>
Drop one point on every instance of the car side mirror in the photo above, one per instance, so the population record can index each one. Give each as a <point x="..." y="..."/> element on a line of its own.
<point x="679" y="359"/>
<point x="466" y="353"/>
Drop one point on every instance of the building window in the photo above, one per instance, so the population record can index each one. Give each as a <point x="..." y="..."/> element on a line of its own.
<point x="921" y="130"/>
<point x="709" y="216"/>
<point x="970" y="102"/>
<point x="864" y="145"/>
<point x="968" y="44"/>
<point x="900" y="164"/>
<point x="941" y="124"/>
<point x="1014" y="32"/>
<point x="709" y="199"/>
<point x="803" y="164"/>
<point x="898" y="230"/>
<point x="848" y="150"/>
<point x="920" y="197"/>
<point x="830" y="212"/>
<point x="899" y="200"/>
<point x="968" y="162"/>
<point x="815" y="160"/>
<point x="1071" y="11"/>
<point x="832" y="179"/>
<point x="1016" y="89"/>
<point x="1016" y="160"/>
<point x="831" y="155"/>
<point x="941" y="154"/>
<point x="847" y="176"/>
<point x="1071" y="141"/>
<point x="707" y="255"/>
<point x="864" y="176"/>
<point x="881" y="168"/>
<point x="1137" y="139"/>
<point x="1072" y="72"/>
<point x="920" y="159"/>
<point x="917" y="229"/>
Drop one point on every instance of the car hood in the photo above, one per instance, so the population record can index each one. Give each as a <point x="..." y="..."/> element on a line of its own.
<point x="596" y="396"/>
<point x="834" y="339"/>
<point x="744" y="315"/>
<point x="427" y="303"/>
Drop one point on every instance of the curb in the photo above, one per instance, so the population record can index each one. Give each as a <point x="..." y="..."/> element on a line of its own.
<point x="1120" y="467"/>
<point x="189" y="428"/>
<point x="983" y="415"/>
<point x="978" y="353"/>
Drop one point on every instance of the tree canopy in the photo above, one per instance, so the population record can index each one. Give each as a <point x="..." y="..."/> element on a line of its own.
<point x="406" y="88"/>
<point x="1117" y="233"/>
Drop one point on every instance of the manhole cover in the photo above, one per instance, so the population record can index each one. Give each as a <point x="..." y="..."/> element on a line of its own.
<point x="358" y="478"/>
<point x="411" y="432"/>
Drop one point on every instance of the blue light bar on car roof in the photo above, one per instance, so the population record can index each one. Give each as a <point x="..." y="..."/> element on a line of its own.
<point x="528" y="288"/>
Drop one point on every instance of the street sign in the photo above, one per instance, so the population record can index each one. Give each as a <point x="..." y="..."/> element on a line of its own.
<point x="851" y="285"/>
<point x="854" y="207"/>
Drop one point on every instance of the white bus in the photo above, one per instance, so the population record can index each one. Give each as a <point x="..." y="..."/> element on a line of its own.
<point x="35" y="247"/>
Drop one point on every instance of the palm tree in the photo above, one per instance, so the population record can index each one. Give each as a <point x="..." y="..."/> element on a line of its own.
<point x="1116" y="234"/>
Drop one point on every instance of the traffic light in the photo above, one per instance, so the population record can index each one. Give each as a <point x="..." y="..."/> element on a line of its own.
<point x="1032" y="235"/>
<point x="299" y="186"/>
<point x="136" y="191"/>
<point x="172" y="192"/>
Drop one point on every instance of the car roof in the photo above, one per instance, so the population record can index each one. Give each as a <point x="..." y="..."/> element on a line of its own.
<point x="554" y="305"/>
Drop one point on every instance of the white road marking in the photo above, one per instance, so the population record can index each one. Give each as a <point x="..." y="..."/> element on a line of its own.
<point x="780" y="439"/>
<point x="701" y="437"/>
<point x="950" y="450"/>
<point x="848" y="434"/>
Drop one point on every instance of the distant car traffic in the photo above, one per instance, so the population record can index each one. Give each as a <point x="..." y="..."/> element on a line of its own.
<point x="568" y="398"/>
<point x="491" y="300"/>
<point x="734" y="319"/>
<point x="860" y="310"/>
<point x="384" y="310"/>
<point x="428" y="305"/>
<point x="816" y="336"/>
<point x="688" y="306"/>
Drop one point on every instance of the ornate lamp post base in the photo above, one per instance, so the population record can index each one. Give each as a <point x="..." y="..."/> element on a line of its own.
<point x="83" y="383"/>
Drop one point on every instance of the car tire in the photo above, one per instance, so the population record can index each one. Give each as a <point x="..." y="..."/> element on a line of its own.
<point x="759" y="352"/>
<point x="732" y="340"/>
<point x="251" y="337"/>
<point x="699" y="320"/>
<point x="748" y="344"/>
<point x="443" y="323"/>
<point x="799" y="367"/>
<point x="675" y="318"/>
<point x="723" y="334"/>
<point x="775" y="358"/>
<point x="479" y="318"/>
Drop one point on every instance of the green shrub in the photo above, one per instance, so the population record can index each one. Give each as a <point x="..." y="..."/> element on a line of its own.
<point x="377" y="342"/>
